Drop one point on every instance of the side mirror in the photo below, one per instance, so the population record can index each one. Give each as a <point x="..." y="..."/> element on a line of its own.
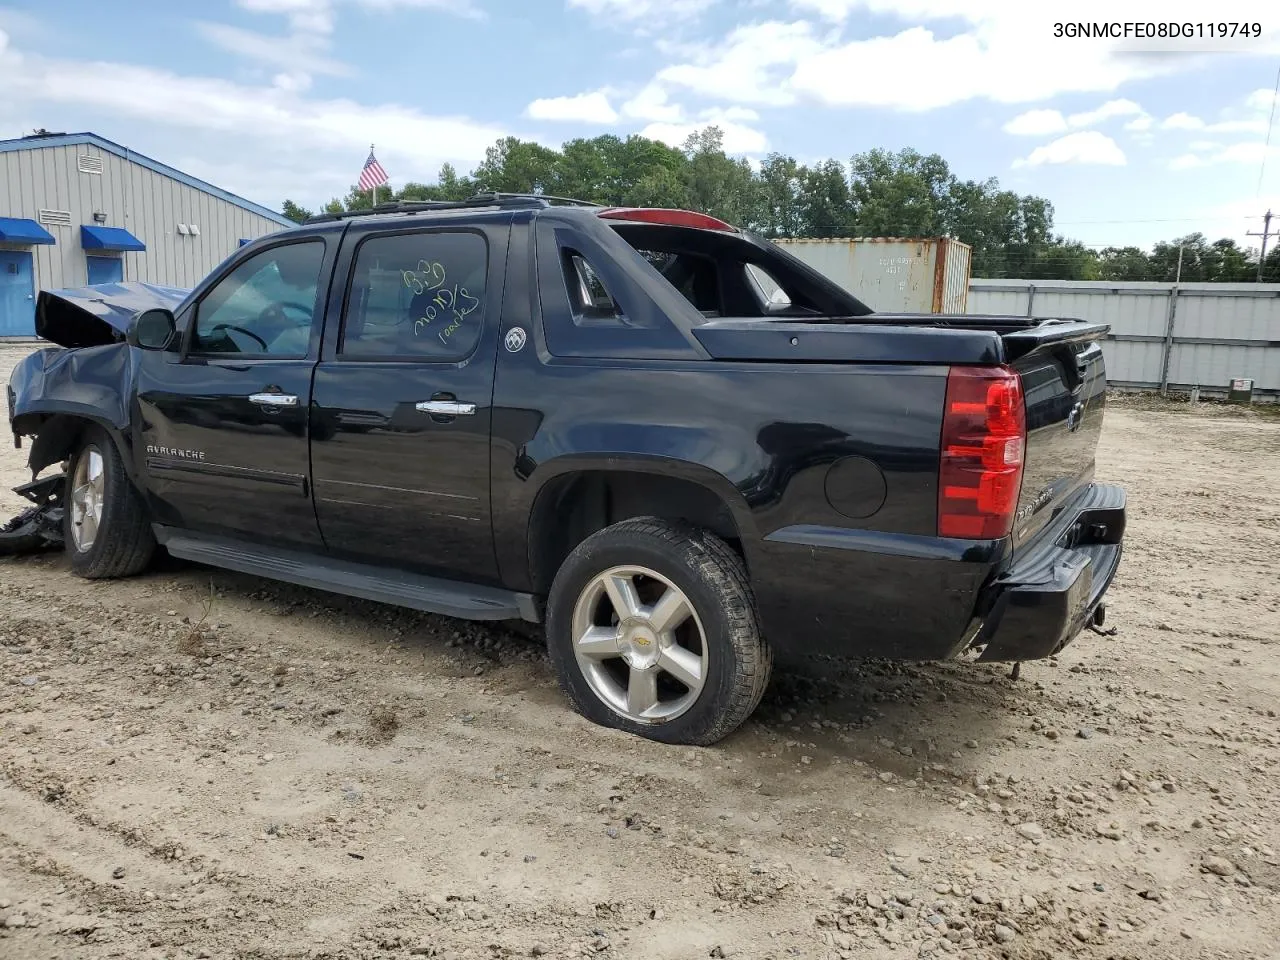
<point x="153" y="330"/>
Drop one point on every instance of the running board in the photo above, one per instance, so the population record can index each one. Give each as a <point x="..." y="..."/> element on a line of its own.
<point x="466" y="601"/>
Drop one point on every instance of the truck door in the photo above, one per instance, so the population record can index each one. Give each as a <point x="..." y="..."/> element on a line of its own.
<point x="223" y="425"/>
<point x="401" y="410"/>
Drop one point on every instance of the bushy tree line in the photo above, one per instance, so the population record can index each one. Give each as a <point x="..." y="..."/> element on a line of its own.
<point x="879" y="193"/>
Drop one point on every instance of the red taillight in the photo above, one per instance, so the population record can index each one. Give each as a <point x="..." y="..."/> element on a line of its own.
<point x="984" y="430"/>
<point x="671" y="218"/>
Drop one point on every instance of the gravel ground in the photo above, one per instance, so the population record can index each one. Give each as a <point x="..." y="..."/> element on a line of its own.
<point x="200" y="764"/>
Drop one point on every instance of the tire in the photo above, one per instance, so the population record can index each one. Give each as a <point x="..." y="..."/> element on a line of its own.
<point x="120" y="543"/>
<point x="710" y="666"/>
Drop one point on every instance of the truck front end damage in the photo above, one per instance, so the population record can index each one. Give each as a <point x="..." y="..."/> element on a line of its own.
<point x="55" y="392"/>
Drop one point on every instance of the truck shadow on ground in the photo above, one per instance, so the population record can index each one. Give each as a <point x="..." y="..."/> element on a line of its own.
<point x="895" y="716"/>
<point x="905" y="718"/>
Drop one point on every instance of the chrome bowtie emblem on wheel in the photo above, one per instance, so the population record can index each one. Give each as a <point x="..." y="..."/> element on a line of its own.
<point x="515" y="339"/>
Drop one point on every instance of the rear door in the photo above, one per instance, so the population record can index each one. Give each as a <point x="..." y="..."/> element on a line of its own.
<point x="401" y="411"/>
<point x="223" y="424"/>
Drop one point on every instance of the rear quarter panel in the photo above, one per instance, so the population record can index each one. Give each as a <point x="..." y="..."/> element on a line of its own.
<point x="763" y="437"/>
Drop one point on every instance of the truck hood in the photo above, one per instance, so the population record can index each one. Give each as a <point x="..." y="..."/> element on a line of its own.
<point x="100" y="314"/>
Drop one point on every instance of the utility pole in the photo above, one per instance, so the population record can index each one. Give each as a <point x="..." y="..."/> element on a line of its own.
<point x="1266" y="232"/>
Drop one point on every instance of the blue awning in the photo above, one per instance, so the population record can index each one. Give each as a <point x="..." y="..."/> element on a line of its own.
<point x="18" y="230"/>
<point x="109" y="238"/>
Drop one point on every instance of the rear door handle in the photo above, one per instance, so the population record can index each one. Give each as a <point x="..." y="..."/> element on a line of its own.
<point x="274" y="399"/>
<point x="447" y="408"/>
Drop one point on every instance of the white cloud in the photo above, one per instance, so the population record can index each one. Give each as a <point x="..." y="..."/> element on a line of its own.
<point x="945" y="52"/>
<point x="1036" y="123"/>
<point x="305" y="16"/>
<point x="301" y="52"/>
<point x="1109" y="110"/>
<point x="1200" y="146"/>
<point x="749" y="66"/>
<point x="1249" y="153"/>
<point x="1238" y="126"/>
<point x="652" y="104"/>
<point x="1140" y="124"/>
<point x="739" y="138"/>
<point x="300" y="135"/>
<point x="633" y="11"/>
<point x="1182" y="121"/>
<point x="1086" y="147"/>
<point x="1260" y="100"/>
<point x="591" y="107"/>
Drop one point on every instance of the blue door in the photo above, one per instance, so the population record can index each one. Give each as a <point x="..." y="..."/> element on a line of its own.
<point x="17" y="295"/>
<point x="105" y="270"/>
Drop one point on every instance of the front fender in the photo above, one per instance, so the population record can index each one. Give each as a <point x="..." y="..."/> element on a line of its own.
<point x="55" y="391"/>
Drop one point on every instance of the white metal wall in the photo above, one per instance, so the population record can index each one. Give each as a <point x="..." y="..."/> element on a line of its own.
<point x="889" y="274"/>
<point x="1183" y="335"/>
<point x="148" y="204"/>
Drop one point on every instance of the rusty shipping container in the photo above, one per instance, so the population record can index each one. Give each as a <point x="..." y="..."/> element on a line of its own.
<point x="890" y="274"/>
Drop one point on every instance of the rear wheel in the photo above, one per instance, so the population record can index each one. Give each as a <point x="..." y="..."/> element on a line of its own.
<point x="652" y="629"/>
<point x="107" y="532"/>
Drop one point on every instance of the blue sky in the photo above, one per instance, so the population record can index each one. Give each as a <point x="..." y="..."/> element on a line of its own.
<point x="273" y="98"/>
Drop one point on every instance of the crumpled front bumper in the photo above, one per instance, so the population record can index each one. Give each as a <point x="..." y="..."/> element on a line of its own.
<point x="1056" y="586"/>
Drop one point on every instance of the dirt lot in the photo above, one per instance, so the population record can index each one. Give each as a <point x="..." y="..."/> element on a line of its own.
<point x="198" y="764"/>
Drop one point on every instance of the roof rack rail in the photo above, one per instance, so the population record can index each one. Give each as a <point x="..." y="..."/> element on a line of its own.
<point x="572" y="201"/>
<point x="515" y="201"/>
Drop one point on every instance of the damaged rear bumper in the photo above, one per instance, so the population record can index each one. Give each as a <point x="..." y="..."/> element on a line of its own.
<point x="1055" y="588"/>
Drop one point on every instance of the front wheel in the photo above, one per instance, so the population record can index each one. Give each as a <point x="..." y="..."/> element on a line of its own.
<point x="106" y="529"/>
<point x="652" y="628"/>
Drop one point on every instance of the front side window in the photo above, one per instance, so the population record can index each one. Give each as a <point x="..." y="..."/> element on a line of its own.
<point x="265" y="306"/>
<point x="417" y="296"/>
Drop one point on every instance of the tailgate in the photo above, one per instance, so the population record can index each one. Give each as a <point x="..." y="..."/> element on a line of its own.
<point x="1064" y="382"/>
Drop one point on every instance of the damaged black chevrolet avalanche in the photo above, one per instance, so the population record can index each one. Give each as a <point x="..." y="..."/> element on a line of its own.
<point x="676" y="444"/>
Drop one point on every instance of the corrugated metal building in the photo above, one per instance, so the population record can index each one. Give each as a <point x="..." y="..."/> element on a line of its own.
<point x="892" y="274"/>
<point x="77" y="209"/>
<point x="1163" y="335"/>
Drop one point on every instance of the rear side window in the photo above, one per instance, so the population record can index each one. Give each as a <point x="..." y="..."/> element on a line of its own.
<point x="695" y="277"/>
<point x="772" y="296"/>
<point x="416" y="296"/>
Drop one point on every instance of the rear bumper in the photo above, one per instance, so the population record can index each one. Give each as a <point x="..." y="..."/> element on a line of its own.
<point x="858" y="593"/>
<point x="1054" y="588"/>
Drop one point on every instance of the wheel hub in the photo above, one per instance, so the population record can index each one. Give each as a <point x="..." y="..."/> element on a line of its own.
<point x="638" y="644"/>
<point x="632" y="628"/>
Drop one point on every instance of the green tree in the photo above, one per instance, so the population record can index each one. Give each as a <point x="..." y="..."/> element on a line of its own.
<point x="825" y="204"/>
<point x="779" y="212"/>
<point x="296" y="213"/>
<point x="517" y="166"/>
<point x="718" y="185"/>
<point x="660" y="187"/>
<point x="900" y="194"/>
<point x="1124" y="264"/>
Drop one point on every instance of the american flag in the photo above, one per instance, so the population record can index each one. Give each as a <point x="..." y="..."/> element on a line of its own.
<point x="372" y="175"/>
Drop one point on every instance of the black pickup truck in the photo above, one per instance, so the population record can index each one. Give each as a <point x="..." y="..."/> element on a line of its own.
<point x="671" y="441"/>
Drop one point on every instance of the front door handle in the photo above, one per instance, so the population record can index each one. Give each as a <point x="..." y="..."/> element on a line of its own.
<point x="446" y="408"/>
<point x="274" y="399"/>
